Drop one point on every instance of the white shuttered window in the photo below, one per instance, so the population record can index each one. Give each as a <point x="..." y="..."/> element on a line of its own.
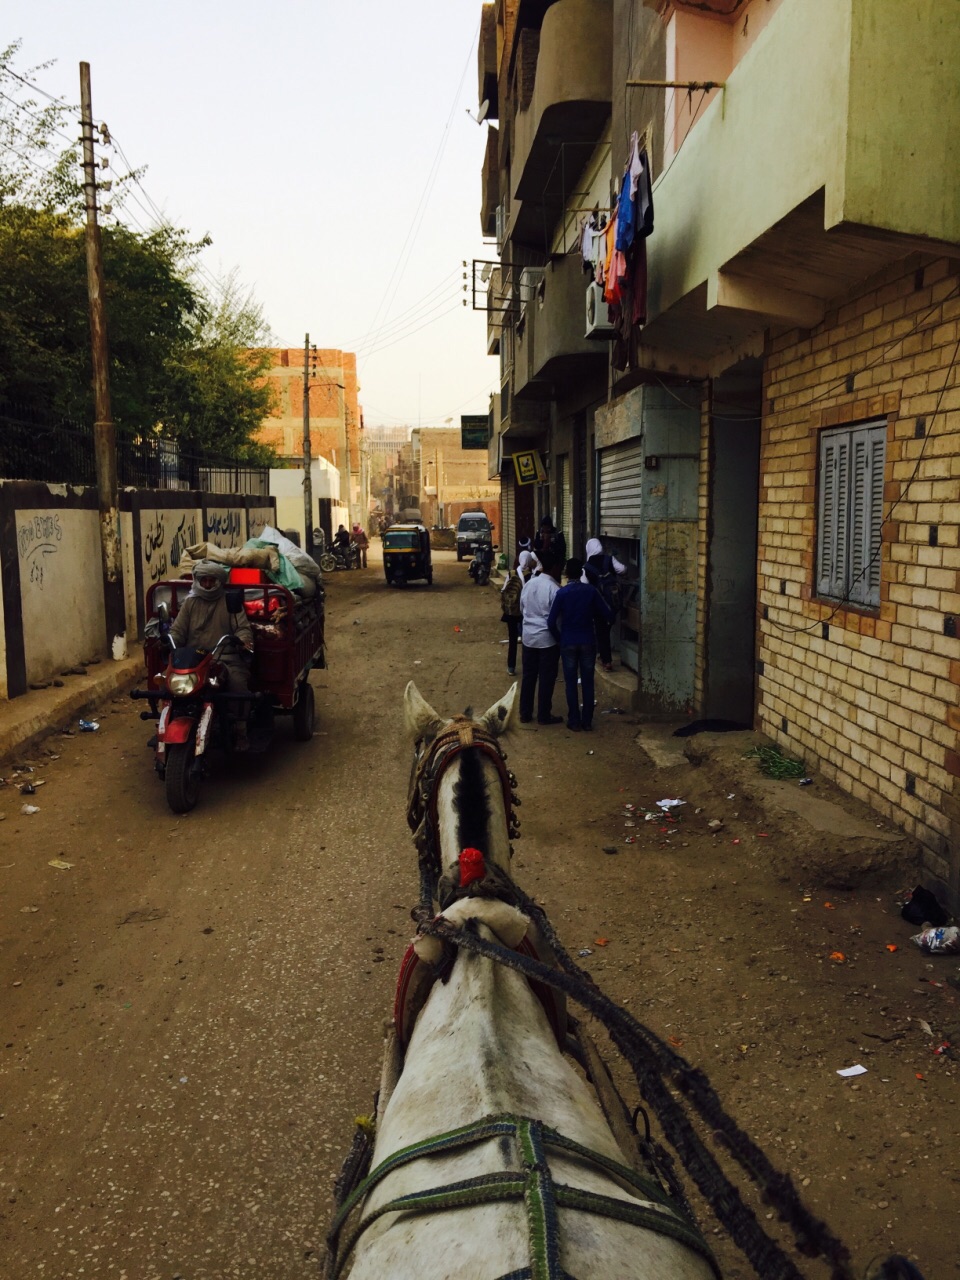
<point x="850" y="515"/>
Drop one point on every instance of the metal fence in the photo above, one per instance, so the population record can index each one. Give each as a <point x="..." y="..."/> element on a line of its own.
<point x="34" y="446"/>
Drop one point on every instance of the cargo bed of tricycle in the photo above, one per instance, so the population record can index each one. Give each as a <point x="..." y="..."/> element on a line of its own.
<point x="287" y="631"/>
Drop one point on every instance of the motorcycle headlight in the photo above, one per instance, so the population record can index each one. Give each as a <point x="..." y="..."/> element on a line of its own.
<point x="182" y="683"/>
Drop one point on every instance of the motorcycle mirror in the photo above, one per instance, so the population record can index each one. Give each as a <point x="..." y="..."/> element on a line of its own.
<point x="163" y="612"/>
<point x="234" y="599"/>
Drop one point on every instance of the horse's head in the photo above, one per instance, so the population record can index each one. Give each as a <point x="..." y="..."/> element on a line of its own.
<point x="460" y="795"/>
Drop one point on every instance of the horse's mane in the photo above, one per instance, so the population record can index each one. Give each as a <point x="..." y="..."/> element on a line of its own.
<point x="473" y="803"/>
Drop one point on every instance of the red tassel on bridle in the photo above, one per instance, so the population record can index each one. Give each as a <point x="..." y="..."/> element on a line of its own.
<point x="472" y="867"/>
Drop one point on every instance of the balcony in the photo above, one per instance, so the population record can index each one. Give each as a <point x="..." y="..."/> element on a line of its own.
<point x="487" y="60"/>
<point x="555" y="135"/>
<point x="804" y="176"/>
<point x="490" y="185"/>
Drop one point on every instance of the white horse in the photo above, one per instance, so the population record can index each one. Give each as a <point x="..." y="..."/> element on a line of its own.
<point x="509" y="1198"/>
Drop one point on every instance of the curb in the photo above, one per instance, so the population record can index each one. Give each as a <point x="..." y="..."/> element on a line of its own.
<point x="25" y="721"/>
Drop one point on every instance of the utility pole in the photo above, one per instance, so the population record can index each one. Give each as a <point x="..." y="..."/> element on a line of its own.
<point x="307" y="474"/>
<point x="104" y="436"/>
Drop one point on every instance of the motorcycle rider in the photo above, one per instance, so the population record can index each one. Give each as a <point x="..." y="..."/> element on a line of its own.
<point x="341" y="540"/>
<point x="203" y="619"/>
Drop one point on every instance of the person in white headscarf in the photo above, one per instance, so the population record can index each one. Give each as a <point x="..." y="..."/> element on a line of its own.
<point x="602" y="572"/>
<point x="204" y="619"/>
<point x="527" y="561"/>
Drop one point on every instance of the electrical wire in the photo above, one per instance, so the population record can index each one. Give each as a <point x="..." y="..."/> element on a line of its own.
<point x="26" y="159"/>
<point x="376" y="350"/>
<point x="407" y="328"/>
<point x="400" y="265"/>
<point x="413" y="313"/>
<point x="36" y="88"/>
<point x="433" y="417"/>
<point x="20" y="106"/>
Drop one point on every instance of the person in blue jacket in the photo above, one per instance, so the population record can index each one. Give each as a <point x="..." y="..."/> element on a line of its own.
<point x="572" y="622"/>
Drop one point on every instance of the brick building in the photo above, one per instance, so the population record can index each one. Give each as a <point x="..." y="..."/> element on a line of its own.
<point x="776" y="457"/>
<point x="336" y="419"/>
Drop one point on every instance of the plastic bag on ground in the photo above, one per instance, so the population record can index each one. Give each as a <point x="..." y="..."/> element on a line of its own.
<point x="944" y="940"/>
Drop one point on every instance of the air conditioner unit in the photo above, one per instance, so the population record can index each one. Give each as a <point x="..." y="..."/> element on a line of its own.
<point x="530" y="278"/>
<point x="598" y="326"/>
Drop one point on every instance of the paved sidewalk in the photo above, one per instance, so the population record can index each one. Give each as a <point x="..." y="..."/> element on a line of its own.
<point x="25" y="721"/>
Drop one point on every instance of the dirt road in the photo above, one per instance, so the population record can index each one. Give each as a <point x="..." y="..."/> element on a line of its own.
<point x="192" y="1010"/>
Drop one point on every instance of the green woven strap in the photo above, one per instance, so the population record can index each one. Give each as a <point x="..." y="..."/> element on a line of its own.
<point x="535" y="1185"/>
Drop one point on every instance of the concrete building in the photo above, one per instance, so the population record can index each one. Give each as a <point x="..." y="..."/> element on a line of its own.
<point x="775" y="451"/>
<point x="336" y="419"/>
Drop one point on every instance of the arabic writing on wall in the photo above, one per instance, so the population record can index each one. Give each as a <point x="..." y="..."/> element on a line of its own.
<point x="165" y="535"/>
<point x="225" y="526"/>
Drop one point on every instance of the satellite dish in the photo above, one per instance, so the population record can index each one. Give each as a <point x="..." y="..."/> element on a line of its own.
<point x="482" y="113"/>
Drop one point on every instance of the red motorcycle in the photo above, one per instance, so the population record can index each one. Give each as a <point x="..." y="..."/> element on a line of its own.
<point x="187" y="687"/>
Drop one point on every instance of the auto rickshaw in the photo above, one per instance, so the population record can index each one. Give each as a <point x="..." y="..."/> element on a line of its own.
<point x="406" y="554"/>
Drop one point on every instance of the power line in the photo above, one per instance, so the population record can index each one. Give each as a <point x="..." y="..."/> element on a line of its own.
<point x="411" y="325"/>
<point x="407" y="247"/>
<point x="20" y="106"/>
<point x="351" y="343"/>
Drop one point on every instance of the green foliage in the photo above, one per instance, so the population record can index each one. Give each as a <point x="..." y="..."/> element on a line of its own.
<point x="180" y="363"/>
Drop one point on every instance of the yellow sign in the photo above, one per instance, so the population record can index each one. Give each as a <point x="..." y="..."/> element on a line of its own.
<point x="529" y="468"/>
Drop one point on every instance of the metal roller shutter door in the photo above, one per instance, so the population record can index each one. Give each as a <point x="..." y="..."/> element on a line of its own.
<point x="508" y="512"/>
<point x="621" y="474"/>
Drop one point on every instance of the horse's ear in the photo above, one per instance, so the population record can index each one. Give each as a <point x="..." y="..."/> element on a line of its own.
<point x="502" y="716"/>
<point x="419" y="717"/>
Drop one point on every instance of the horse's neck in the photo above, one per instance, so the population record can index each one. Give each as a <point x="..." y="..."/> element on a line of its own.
<point x="485" y="829"/>
<point x="483" y="1046"/>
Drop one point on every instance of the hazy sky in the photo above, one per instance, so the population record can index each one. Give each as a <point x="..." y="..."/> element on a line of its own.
<point x="325" y="148"/>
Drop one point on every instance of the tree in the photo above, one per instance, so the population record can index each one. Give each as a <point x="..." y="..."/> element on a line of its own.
<point x="179" y="361"/>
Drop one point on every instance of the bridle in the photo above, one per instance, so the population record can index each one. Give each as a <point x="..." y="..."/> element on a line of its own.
<point x="431" y="763"/>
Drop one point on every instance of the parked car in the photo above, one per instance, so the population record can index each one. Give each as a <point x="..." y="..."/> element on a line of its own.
<point x="473" y="531"/>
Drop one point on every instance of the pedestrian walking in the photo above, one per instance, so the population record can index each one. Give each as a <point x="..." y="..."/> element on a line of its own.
<point x="362" y="542"/>
<point x="603" y="572"/>
<point x="571" y="622"/>
<point x="540" y="654"/>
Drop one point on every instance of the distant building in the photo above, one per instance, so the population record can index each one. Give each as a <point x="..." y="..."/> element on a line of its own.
<point x="381" y="447"/>
<point x="452" y="479"/>
<point x="336" y="419"/>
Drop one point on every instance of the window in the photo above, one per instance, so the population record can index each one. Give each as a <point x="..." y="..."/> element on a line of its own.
<point x="850" y="513"/>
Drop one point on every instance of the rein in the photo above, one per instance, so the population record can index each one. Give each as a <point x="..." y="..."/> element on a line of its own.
<point x="680" y="1095"/>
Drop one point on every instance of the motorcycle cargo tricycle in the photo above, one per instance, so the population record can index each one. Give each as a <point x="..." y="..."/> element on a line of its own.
<point x="185" y="687"/>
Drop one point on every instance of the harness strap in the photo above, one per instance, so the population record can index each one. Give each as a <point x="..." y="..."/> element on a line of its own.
<point x="534" y="1184"/>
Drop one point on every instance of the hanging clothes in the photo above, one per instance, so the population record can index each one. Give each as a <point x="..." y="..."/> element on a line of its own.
<point x="634" y="224"/>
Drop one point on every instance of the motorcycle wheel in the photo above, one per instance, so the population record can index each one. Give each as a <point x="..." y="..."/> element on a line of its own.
<point x="183" y="788"/>
<point x="328" y="562"/>
<point x="304" y="714"/>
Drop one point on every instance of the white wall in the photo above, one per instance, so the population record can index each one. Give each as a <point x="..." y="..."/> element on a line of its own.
<point x="61" y="590"/>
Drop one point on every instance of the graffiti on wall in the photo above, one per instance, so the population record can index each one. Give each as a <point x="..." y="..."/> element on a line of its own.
<point x="37" y="540"/>
<point x="257" y="518"/>
<point x="165" y="535"/>
<point x="225" y="526"/>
